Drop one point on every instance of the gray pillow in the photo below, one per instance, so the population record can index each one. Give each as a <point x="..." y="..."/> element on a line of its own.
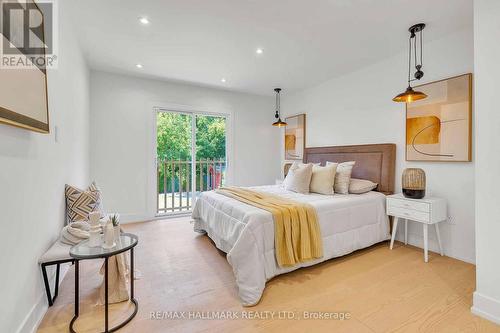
<point x="360" y="186"/>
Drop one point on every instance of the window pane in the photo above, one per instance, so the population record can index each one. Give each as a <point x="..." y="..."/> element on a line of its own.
<point x="174" y="161"/>
<point x="210" y="152"/>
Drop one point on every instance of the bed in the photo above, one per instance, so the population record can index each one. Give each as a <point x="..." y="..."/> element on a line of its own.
<point x="347" y="222"/>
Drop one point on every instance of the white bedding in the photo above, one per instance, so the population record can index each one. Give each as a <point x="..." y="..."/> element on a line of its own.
<point x="246" y="233"/>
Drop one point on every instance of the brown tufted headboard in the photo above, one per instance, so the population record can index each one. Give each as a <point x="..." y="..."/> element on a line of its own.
<point x="375" y="162"/>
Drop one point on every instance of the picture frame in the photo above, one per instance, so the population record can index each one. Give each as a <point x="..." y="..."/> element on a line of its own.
<point x="439" y="127"/>
<point x="24" y="91"/>
<point x="295" y="137"/>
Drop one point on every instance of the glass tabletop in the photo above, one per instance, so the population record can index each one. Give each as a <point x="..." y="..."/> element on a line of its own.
<point x="82" y="250"/>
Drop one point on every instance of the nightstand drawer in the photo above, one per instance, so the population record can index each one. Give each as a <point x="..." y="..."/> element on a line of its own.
<point x="408" y="204"/>
<point x="408" y="214"/>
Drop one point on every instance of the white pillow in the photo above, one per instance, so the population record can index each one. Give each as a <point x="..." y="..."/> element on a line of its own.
<point x="298" y="178"/>
<point x="360" y="186"/>
<point x="343" y="176"/>
<point x="323" y="179"/>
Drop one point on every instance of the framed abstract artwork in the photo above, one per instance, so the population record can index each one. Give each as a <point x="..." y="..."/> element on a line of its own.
<point x="439" y="127"/>
<point x="295" y="137"/>
<point x="23" y="89"/>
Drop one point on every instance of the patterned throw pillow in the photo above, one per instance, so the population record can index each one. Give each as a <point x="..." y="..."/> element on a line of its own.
<point x="80" y="203"/>
<point x="98" y="207"/>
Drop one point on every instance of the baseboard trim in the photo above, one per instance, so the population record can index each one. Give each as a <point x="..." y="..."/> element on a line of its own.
<point x="417" y="240"/>
<point x="132" y="218"/>
<point x="129" y="218"/>
<point x="486" y="307"/>
<point x="37" y="312"/>
<point x="34" y="317"/>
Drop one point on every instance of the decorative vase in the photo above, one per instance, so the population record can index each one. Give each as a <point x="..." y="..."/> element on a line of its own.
<point x="95" y="230"/>
<point x="413" y="181"/>
<point x="109" y="236"/>
<point x="116" y="230"/>
<point x="95" y="237"/>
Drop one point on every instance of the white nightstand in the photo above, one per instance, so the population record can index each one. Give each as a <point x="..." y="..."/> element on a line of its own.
<point x="427" y="211"/>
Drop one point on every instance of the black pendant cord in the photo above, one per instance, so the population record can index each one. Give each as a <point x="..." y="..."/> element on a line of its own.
<point x="409" y="62"/>
<point x="418" y="64"/>
<point x="278" y="104"/>
<point x="421" y="48"/>
<point x="415" y="50"/>
<point x="417" y="60"/>
<point x="276" y="115"/>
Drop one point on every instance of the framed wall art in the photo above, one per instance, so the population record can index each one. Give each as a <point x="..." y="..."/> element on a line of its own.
<point x="295" y="137"/>
<point x="439" y="127"/>
<point x="23" y="89"/>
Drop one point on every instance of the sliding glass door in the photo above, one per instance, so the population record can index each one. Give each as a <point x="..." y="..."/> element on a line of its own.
<point x="191" y="157"/>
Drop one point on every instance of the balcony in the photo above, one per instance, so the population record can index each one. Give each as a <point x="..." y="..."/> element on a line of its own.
<point x="179" y="185"/>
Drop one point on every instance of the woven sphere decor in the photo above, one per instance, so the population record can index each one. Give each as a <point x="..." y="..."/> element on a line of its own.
<point x="414" y="183"/>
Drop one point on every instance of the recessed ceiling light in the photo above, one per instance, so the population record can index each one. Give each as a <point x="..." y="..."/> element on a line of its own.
<point x="138" y="65"/>
<point x="259" y="51"/>
<point x="223" y="80"/>
<point x="144" y="20"/>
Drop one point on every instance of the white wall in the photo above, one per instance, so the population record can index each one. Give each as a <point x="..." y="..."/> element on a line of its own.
<point x="33" y="171"/>
<point x="357" y="108"/>
<point x="487" y="69"/>
<point x="122" y="137"/>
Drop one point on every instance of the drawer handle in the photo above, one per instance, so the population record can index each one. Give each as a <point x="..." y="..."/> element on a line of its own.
<point x="407" y="214"/>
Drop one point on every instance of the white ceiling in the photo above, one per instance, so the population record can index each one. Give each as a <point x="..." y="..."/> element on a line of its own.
<point x="304" y="42"/>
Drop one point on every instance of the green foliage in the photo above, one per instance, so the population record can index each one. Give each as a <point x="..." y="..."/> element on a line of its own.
<point x="115" y="220"/>
<point x="173" y="136"/>
<point x="174" y="143"/>
<point x="210" y="137"/>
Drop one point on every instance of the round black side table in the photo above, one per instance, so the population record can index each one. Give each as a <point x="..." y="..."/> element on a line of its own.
<point x="82" y="251"/>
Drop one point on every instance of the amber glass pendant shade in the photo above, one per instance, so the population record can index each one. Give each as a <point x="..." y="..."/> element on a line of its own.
<point x="279" y="123"/>
<point x="409" y="96"/>
<point x="413" y="183"/>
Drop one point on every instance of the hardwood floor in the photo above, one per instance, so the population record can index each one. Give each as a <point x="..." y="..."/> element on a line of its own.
<point x="382" y="290"/>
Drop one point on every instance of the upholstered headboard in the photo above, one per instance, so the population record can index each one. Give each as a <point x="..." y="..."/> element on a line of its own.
<point x="375" y="162"/>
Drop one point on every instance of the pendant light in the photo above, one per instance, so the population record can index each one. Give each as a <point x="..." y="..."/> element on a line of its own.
<point x="277" y="115"/>
<point x="411" y="95"/>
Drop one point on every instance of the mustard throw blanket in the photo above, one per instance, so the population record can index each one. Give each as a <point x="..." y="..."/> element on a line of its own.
<point x="297" y="237"/>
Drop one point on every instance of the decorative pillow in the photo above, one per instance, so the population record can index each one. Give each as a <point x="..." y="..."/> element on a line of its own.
<point x="80" y="203"/>
<point x="298" y="178"/>
<point x="343" y="176"/>
<point x="360" y="186"/>
<point x="99" y="207"/>
<point x="323" y="179"/>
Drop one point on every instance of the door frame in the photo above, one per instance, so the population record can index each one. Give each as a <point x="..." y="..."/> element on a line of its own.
<point x="189" y="110"/>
